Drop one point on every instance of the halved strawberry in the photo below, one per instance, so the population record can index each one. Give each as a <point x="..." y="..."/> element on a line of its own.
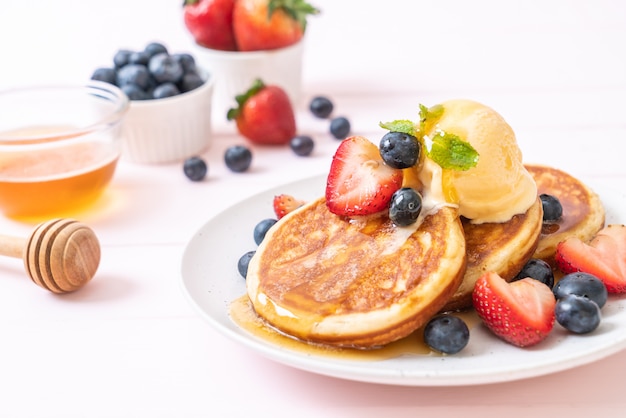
<point x="284" y="203"/>
<point x="521" y="312"/>
<point x="359" y="181"/>
<point x="604" y="257"/>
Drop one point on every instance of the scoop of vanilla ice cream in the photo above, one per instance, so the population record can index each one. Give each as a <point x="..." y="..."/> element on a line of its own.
<point x="499" y="186"/>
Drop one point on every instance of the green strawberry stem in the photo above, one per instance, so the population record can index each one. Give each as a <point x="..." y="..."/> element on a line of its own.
<point x="241" y="99"/>
<point x="298" y="10"/>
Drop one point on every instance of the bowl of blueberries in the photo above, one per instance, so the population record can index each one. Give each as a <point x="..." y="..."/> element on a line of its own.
<point x="169" y="118"/>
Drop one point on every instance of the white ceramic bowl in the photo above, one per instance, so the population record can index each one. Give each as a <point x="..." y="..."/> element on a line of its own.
<point x="170" y="129"/>
<point x="235" y="71"/>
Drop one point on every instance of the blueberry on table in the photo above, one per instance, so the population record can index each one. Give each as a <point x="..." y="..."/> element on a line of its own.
<point x="261" y="229"/>
<point x="164" y="68"/>
<point x="577" y="314"/>
<point x="399" y="150"/>
<point x="243" y="262"/>
<point x="238" y="158"/>
<point x="405" y="206"/>
<point x="107" y="75"/>
<point x="321" y="107"/>
<point x="302" y="145"/>
<point x="552" y="209"/>
<point x="134" y="74"/>
<point x="446" y="333"/>
<point x="539" y="270"/>
<point x="195" y="168"/>
<point x="582" y="284"/>
<point x="165" y="90"/>
<point x="340" y="127"/>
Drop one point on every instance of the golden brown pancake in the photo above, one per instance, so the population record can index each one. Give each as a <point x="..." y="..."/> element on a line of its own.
<point x="583" y="212"/>
<point x="361" y="283"/>
<point x="503" y="248"/>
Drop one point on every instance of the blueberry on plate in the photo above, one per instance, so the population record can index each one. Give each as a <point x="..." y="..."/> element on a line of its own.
<point x="190" y="81"/>
<point x="134" y="92"/>
<point x="121" y="57"/>
<point x="164" y="68"/>
<point x="139" y="57"/>
<point x="399" y="150"/>
<point x="321" y="107"/>
<point x="195" y="168"/>
<point x="405" y="206"/>
<point x="340" y="127"/>
<point x="446" y="333"/>
<point x="577" y="314"/>
<point x="302" y="145"/>
<point x="552" y="209"/>
<point x="581" y="284"/>
<point x="243" y="262"/>
<point x="165" y="90"/>
<point x="134" y="74"/>
<point x="261" y="229"/>
<point x="238" y="158"/>
<point x="108" y="75"/>
<point x="154" y="48"/>
<point x="538" y="270"/>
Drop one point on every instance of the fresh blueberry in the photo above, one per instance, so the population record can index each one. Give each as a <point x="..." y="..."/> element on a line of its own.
<point x="399" y="150"/>
<point x="121" y="57"/>
<point x="187" y="61"/>
<point x="538" y="270"/>
<point x="190" y="81"/>
<point x="165" y="90"/>
<point x="238" y="158"/>
<point x="302" y="145"/>
<point x="552" y="209"/>
<point x="139" y="57"/>
<point x="261" y="229"/>
<point x="582" y="284"/>
<point x="405" y="206"/>
<point x="134" y="74"/>
<point x="340" y="127"/>
<point x="321" y="107"/>
<point x="154" y="48"/>
<point x="108" y="75"/>
<point x="446" y="333"/>
<point x="164" y="68"/>
<point x="243" y="262"/>
<point x="577" y="314"/>
<point x="195" y="168"/>
<point x="134" y="93"/>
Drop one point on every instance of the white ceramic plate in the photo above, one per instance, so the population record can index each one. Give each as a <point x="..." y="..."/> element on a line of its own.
<point x="211" y="282"/>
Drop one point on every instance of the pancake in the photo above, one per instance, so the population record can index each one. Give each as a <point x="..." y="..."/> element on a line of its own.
<point x="583" y="212"/>
<point x="503" y="248"/>
<point x="360" y="283"/>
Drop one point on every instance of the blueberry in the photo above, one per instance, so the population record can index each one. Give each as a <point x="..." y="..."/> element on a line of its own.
<point x="582" y="284"/>
<point x="399" y="150"/>
<point x="302" y="145"/>
<point x="190" y="81"/>
<point x="321" y="107"/>
<point x="139" y="57"/>
<point x="187" y="61"/>
<point x="120" y="58"/>
<point x="108" y="75"/>
<point x="340" y="127"/>
<point x="238" y="158"/>
<point x="243" y="262"/>
<point x="538" y="270"/>
<point x="165" y="90"/>
<point x="164" y="68"/>
<point x="446" y="333"/>
<point x="405" y="206"/>
<point x="134" y="93"/>
<point x="134" y="74"/>
<point x="552" y="209"/>
<point x="154" y="48"/>
<point x="577" y="314"/>
<point x="195" y="168"/>
<point x="261" y="229"/>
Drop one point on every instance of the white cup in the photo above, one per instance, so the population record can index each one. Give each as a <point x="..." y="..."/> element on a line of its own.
<point x="235" y="71"/>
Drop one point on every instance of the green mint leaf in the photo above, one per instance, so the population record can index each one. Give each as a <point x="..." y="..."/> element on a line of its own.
<point x="450" y="151"/>
<point x="429" y="116"/>
<point x="402" y="125"/>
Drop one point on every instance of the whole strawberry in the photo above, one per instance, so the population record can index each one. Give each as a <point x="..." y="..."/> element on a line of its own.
<point x="264" y="115"/>
<point x="270" y="24"/>
<point x="210" y="22"/>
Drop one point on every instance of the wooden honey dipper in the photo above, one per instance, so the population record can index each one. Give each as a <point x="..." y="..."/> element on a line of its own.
<point x="61" y="255"/>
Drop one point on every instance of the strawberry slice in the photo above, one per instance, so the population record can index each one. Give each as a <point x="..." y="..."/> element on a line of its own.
<point x="359" y="181"/>
<point x="604" y="257"/>
<point x="284" y="203"/>
<point x="521" y="312"/>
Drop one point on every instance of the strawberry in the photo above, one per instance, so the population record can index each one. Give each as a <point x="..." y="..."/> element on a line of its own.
<point x="284" y="203"/>
<point x="359" y="182"/>
<point x="269" y="24"/>
<point x="521" y="312"/>
<point x="210" y="22"/>
<point x="264" y="115"/>
<point x="604" y="257"/>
